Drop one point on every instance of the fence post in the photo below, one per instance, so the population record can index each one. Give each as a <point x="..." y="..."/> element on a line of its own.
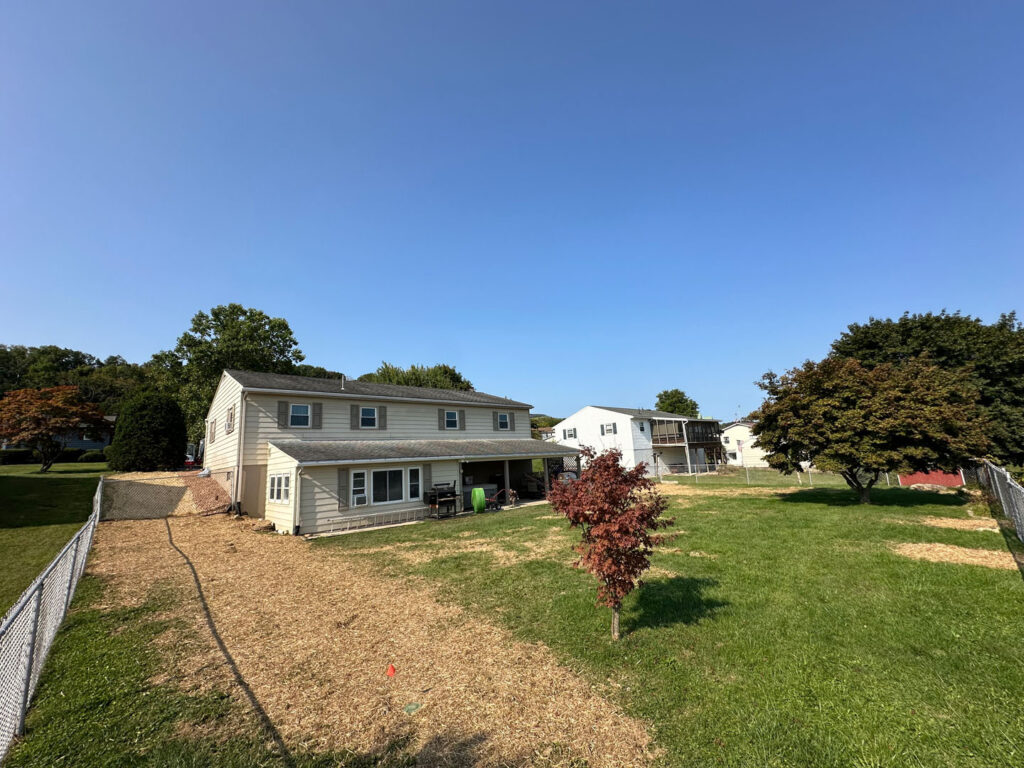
<point x="71" y="576"/>
<point x="810" y="481"/>
<point x="26" y="691"/>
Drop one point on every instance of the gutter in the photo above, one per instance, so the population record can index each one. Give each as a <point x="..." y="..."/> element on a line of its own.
<point x="350" y="396"/>
<point x="407" y="459"/>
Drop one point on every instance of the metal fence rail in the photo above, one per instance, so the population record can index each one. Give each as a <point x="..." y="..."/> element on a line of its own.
<point x="28" y="629"/>
<point x="1008" y="491"/>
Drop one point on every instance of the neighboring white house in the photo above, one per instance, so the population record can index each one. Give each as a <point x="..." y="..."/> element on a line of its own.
<point x="740" y="445"/>
<point x="314" y="455"/>
<point x="666" y="442"/>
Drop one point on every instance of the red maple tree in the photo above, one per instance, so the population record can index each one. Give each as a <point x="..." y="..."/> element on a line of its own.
<point x="616" y="510"/>
<point x="44" y="419"/>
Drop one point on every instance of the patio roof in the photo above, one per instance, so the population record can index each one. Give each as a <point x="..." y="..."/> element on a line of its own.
<point x="307" y="452"/>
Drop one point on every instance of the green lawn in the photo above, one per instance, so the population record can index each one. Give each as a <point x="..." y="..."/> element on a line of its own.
<point x="39" y="512"/>
<point x="775" y="631"/>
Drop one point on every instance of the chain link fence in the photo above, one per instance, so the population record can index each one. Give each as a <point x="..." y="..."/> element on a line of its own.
<point x="1006" y="490"/>
<point x="28" y="629"/>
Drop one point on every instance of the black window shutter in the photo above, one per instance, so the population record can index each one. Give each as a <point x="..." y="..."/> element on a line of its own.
<point x="382" y="417"/>
<point x="602" y="429"/>
<point x="615" y="429"/>
<point x="282" y="413"/>
<point x="564" y="434"/>
<point x="342" y="488"/>
<point x="427" y="477"/>
<point x="494" y="420"/>
<point x="440" y="418"/>
<point x="353" y="416"/>
<point x="462" y="419"/>
<point x="317" y="421"/>
<point x="512" y="422"/>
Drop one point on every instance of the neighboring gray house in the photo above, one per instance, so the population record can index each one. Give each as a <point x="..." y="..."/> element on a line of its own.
<point x="315" y="455"/>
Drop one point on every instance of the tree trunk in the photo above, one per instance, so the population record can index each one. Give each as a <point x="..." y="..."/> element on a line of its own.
<point x="615" y="623"/>
<point x="865" y="494"/>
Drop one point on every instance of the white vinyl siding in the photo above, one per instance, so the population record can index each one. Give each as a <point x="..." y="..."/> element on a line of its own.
<point x="406" y="421"/>
<point x="280" y="513"/>
<point x="221" y="455"/>
<point x="319" y="492"/>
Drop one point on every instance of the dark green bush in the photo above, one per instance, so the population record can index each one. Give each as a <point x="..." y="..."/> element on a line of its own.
<point x="15" y="456"/>
<point x="93" y="456"/>
<point x="149" y="435"/>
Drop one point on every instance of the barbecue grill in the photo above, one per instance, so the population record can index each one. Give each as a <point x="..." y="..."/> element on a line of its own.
<point x="441" y="500"/>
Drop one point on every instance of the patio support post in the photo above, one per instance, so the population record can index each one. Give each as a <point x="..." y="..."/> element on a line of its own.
<point x="547" y="478"/>
<point x="508" y="489"/>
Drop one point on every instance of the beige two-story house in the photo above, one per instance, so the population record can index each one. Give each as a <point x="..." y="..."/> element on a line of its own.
<point x="315" y="455"/>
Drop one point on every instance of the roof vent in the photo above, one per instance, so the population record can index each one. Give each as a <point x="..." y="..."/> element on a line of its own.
<point x="343" y="382"/>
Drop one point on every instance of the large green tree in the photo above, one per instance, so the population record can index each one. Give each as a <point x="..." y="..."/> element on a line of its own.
<point x="677" y="401"/>
<point x="438" y="376"/>
<point x="103" y="382"/>
<point x="992" y="354"/>
<point x="229" y="336"/>
<point x="860" y="422"/>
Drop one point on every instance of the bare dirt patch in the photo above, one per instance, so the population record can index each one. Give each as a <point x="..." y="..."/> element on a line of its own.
<point x="956" y="523"/>
<point x="948" y="553"/>
<point x="313" y="632"/>
<point x="678" y="489"/>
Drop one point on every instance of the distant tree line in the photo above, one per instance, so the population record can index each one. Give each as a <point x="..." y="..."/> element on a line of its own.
<point x="228" y="336"/>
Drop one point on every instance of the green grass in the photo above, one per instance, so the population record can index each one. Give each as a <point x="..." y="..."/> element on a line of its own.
<point x="39" y="512"/>
<point x="97" y="704"/>
<point x="802" y="641"/>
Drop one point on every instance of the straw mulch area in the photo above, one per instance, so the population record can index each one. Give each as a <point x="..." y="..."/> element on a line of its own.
<point x="678" y="489"/>
<point x="948" y="553"/>
<point x="956" y="523"/>
<point x="207" y="494"/>
<point x="312" y="634"/>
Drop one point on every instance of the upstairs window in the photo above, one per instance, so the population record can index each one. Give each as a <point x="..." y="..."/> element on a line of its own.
<point x="642" y="428"/>
<point x="367" y="418"/>
<point x="503" y="421"/>
<point x="569" y="434"/>
<point x="213" y="430"/>
<point x="229" y="421"/>
<point x="298" y="415"/>
<point x="451" y="419"/>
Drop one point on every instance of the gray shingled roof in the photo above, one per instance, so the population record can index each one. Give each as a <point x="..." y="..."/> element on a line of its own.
<point x="329" y="451"/>
<point x="648" y="413"/>
<point x="287" y="382"/>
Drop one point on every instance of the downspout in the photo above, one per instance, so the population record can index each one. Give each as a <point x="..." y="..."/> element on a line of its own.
<point x="236" y="491"/>
<point x="297" y="503"/>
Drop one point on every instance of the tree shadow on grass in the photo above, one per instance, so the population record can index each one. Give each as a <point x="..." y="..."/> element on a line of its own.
<point x="881" y="497"/>
<point x="676" y="600"/>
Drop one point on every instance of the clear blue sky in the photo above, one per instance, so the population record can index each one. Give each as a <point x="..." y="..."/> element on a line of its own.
<point x="574" y="203"/>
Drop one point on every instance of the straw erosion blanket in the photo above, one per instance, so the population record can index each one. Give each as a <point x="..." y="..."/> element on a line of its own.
<point x="312" y="634"/>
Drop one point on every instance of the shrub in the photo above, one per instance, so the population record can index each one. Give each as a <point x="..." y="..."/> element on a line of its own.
<point x="150" y="434"/>
<point x="15" y="456"/>
<point x="93" y="456"/>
